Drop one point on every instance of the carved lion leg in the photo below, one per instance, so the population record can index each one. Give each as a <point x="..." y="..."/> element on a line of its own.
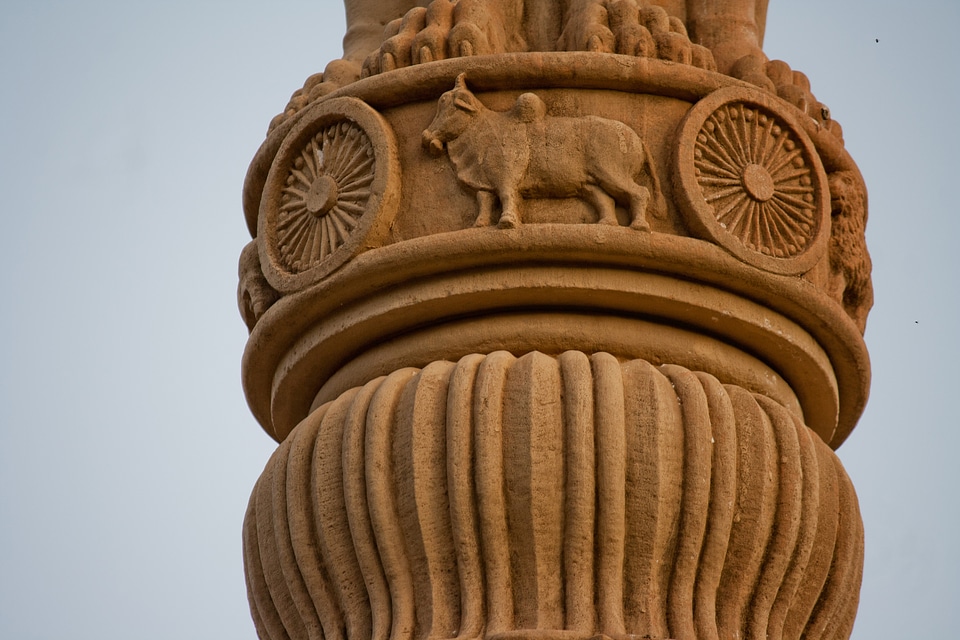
<point x="431" y="43"/>
<point x="365" y="22"/>
<point x="486" y="27"/>
<point x="586" y="28"/>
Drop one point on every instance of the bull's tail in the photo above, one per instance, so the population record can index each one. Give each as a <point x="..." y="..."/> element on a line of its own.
<point x="658" y="202"/>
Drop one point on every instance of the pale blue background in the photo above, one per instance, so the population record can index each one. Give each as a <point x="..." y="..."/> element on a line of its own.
<point x="126" y="450"/>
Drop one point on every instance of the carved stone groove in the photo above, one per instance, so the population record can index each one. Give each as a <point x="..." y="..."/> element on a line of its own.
<point x="499" y="497"/>
<point x="612" y="417"/>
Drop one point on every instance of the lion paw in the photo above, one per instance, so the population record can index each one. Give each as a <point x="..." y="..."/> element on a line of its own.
<point x="338" y="73"/>
<point x="633" y="28"/>
<point x="588" y="30"/>
<point x="778" y="78"/>
<point x="396" y="51"/>
<point x="431" y="42"/>
<point x="480" y="30"/>
<point x="443" y="29"/>
<point x="467" y="39"/>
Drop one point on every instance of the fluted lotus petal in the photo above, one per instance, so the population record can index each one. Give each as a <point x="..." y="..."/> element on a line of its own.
<point x="552" y="497"/>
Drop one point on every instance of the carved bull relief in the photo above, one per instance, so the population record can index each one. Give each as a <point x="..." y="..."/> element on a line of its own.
<point x="524" y="152"/>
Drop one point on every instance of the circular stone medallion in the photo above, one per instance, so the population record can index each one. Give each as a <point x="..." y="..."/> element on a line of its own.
<point x="333" y="184"/>
<point x="752" y="182"/>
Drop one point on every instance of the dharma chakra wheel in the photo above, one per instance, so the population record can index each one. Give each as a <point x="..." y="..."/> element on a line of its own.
<point x="751" y="181"/>
<point x="334" y="179"/>
<point x="564" y="430"/>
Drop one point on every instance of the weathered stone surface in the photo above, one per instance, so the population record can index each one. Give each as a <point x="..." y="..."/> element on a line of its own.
<point x="556" y="312"/>
<point x="419" y="230"/>
<point x="725" y="35"/>
<point x="601" y="162"/>
<point x="549" y="497"/>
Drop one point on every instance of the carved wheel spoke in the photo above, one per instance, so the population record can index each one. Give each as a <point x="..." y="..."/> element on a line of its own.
<point x="333" y="176"/>
<point x="327" y="175"/>
<point x="752" y="182"/>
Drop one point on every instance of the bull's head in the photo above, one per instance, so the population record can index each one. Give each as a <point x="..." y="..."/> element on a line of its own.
<point x="455" y="111"/>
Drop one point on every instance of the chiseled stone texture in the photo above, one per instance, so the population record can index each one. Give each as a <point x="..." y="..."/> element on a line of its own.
<point x="546" y="497"/>
<point x="556" y="311"/>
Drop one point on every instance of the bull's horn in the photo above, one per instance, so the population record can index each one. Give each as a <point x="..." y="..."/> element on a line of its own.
<point x="461" y="80"/>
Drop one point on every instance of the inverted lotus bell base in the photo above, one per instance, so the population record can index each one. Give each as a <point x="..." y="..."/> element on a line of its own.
<point x="552" y="498"/>
<point x="557" y="346"/>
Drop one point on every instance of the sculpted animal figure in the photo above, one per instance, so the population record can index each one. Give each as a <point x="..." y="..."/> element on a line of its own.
<point x="524" y="152"/>
<point x="849" y="259"/>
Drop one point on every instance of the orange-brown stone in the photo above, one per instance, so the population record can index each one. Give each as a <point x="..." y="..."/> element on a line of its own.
<point x="556" y="312"/>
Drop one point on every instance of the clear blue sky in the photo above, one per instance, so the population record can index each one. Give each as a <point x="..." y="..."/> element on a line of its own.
<point x="127" y="453"/>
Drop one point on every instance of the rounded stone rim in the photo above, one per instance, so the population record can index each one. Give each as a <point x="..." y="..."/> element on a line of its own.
<point x="416" y="260"/>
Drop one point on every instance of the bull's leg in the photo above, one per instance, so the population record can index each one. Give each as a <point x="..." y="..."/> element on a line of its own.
<point x="614" y="178"/>
<point x="639" y="199"/>
<point x="602" y="203"/>
<point x="486" y="200"/>
<point x="510" y="217"/>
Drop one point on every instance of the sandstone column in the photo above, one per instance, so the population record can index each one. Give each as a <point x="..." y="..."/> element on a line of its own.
<point x="557" y="327"/>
